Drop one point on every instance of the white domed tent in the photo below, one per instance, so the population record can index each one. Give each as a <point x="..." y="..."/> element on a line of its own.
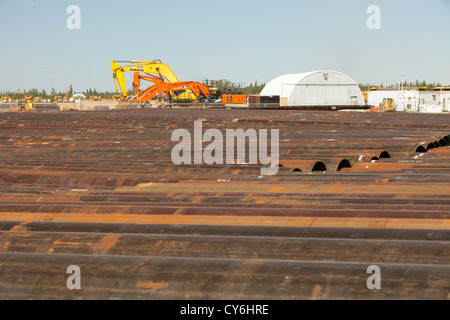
<point x="317" y="88"/>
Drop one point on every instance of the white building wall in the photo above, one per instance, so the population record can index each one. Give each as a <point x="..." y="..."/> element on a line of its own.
<point x="406" y="100"/>
<point x="375" y="98"/>
<point x="434" y="101"/>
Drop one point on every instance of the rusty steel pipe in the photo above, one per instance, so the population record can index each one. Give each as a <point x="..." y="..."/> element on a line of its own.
<point x="116" y="277"/>
<point x="228" y="247"/>
<point x="237" y="231"/>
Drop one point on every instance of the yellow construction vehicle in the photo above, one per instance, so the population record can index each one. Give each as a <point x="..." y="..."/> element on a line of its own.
<point x="64" y="98"/>
<point x="365" y="95"/>
<point x="154" y="67"/>
<point x="154" y="71"/>
<point x="27" y="97"/>
<point x="387" y="105"/>
<point x="95" y="98"/>
<point x="27" y="104"/>
<point x="441" y="89"/>
<point x="7" y="98"/>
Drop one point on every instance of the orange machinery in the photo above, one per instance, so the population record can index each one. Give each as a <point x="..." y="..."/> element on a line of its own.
<point x="169" y="91"/>
<point x="166" y="85"/>
<point x="234" y="98"/>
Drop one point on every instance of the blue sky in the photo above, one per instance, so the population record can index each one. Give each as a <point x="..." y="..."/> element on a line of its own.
<point x="242" y="41"/>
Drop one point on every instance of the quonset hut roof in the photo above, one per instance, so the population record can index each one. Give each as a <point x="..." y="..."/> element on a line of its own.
<point x="274" y="87"/>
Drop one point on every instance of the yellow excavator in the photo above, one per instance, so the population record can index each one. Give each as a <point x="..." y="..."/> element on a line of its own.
<point x="8" y="98"/>
<point x="155" y="71"/>
<point x="163" y="72"/>
<point x="28" y="103"/>
<point x="95" y="98"/>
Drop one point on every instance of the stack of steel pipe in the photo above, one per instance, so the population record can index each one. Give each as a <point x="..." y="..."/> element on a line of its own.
<point x="100" y="190"/>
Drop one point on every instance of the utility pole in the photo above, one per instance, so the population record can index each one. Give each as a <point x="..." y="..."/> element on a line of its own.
<point x="402" y="95"/>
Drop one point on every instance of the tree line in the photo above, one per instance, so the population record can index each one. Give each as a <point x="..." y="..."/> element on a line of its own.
<point x="414" y="84"/>
<point x="43" y="94"/>
<point x="224" y="85"/>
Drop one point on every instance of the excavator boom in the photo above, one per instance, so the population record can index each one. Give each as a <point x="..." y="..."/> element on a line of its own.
<point x="148" y="77"/>
<point x="199" y="90"/>
<point x="68" y="92"/>
<point x="15" y="94"/>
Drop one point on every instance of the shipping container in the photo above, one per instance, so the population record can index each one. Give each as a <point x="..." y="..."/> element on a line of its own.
<point x="234" y="98"/>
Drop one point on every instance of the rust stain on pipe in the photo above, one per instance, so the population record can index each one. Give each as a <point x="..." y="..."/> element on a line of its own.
<point x="106" y="243"/>
<point x="238" y="187"/>
<point x="152" y="285"/>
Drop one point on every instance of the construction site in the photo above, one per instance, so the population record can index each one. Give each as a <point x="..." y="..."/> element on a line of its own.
<point x="155" y="85"/>
<point x="358" y="208"/>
